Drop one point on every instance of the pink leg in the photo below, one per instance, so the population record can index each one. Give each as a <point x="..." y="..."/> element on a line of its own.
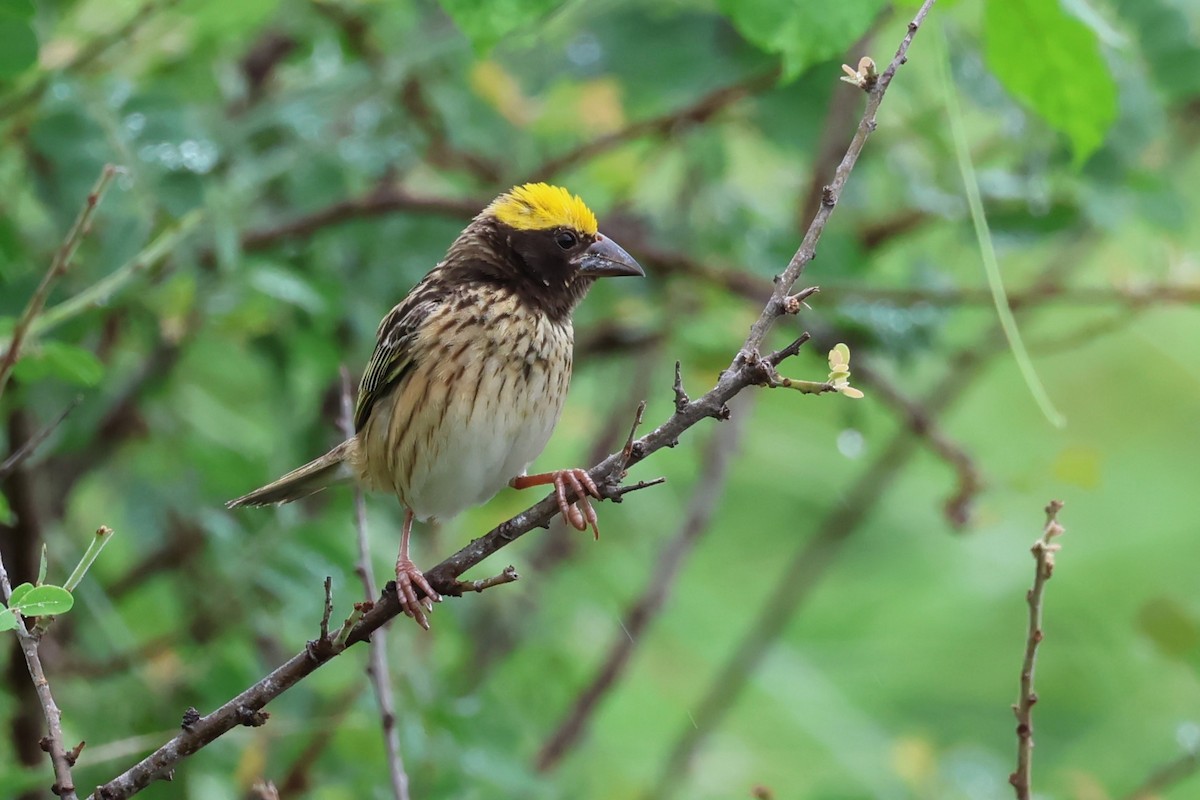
<point x="579" y="514"/>
<point x="408" y="577"/>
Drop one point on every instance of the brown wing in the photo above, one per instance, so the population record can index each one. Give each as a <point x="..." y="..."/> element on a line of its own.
<point x="393" y="356"/>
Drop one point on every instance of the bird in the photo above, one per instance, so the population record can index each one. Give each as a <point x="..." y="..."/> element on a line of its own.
<point x="469" y="374"/>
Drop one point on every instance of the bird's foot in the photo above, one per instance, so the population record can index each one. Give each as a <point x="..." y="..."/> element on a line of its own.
<point x="579" y="514"/>
<point x="408" y="580"/>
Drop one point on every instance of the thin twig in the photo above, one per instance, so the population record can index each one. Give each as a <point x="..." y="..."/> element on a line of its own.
<point x="836" y="127"/>
<point x="722" y="446"/>
<point x="60" y="757"/>
<point x="377" y="669"/>
<point x="296" y="780"/>
<point x="1043" y="553"/>
<point x="101" y="291"/>
<point x="696" y="113"/>
<point x="384" y="199"/>
<point x="58" y="268"/>
<point x="507" y="575"/>
<point x="1173" y="772"/>
<point x="440" y="150"/>
<point x="30" y="446"/>
<point x="958" y="507"/>
<point x="831" y="193"/>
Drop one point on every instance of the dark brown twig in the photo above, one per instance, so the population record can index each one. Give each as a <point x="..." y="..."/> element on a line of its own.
<point x="58" y="268"/>
<point x="716" y="458"/>
<point x="1043" y="550"/>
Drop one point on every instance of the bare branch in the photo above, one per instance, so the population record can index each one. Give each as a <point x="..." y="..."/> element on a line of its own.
<point x="830" y="194"/>
<point x="913" y="414"/>
<point x="30" y="446"/>
<point x="60" y="757"/>
<point x="385" y="199"/>
<point x="296" y="780"/>
<point x="1043" y="553"/>
<point x="698" y="112"/>
<point x="58" y="268"/>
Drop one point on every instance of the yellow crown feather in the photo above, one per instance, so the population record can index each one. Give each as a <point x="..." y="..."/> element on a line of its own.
<point x="540" y="206"/>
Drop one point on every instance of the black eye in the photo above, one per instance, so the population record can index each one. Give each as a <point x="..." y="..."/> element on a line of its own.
<point x="566" y="239"/>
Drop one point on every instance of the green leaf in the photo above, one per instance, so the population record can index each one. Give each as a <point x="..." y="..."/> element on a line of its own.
<point x="18" y="594"/>
<point x="8" y="620"/>
<point x="803" y="33"/>
<point x="20" y="50"/>
<point x="59" y="360"/>
<point x="486" y="22"/>
<point x="288" y="287"/>
<point x="1167" y="44"/>
<point x="1051" y="62"/>
<point x="42" y="566"/>
<point x="43" y="601"/>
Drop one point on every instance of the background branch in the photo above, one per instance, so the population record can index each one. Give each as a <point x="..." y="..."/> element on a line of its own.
<point x="716" y="457"/>
<point x="377" y="669"/>
<point x="58" y="268"/>
<point x="1043" y="550"/>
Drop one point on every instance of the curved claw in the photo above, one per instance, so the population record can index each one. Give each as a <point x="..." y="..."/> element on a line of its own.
<point x="578" y="514"/>
<point x="408" y="577"/>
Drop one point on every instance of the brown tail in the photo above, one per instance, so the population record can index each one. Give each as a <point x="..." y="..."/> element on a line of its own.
<point x="331" y="468"/>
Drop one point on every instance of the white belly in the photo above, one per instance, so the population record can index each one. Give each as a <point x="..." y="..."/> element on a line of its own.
<point x="484" y="444"/>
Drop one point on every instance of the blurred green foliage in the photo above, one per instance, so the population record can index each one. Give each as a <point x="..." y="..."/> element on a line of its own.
<point x="301" y="164"/>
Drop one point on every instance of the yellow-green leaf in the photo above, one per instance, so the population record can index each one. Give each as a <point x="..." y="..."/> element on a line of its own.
<point x="1051" y="62"/>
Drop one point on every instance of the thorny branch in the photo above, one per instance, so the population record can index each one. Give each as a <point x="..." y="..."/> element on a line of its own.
<point x="60" y="757"/>
<point x="1043" y="553"/>
<point x="747" y="369"/>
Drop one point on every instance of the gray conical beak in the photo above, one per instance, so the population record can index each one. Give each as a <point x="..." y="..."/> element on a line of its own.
<point x="605" y="258"/>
